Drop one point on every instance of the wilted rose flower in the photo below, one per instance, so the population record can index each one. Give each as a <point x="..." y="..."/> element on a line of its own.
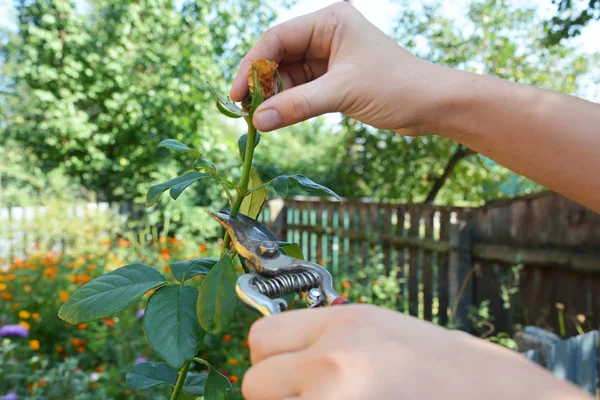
<point x="13" y="330"/>
<point x="265" y="73"/>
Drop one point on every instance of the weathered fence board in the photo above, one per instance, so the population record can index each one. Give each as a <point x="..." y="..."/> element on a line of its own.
<point x="449" y="259"/>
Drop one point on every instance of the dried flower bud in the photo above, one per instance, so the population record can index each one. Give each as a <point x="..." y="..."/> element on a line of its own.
<point x="265" y="75"/>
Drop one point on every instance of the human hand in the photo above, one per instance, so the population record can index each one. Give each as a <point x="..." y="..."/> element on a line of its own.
<point x="359" y="352"/>
<point x="357" y="70"/>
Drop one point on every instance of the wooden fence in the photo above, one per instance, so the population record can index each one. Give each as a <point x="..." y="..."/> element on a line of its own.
<point x="521" y="256"/>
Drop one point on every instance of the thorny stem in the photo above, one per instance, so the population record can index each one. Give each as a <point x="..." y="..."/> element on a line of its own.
<point x="242" y="187"/>
<point x="180" y="380"/>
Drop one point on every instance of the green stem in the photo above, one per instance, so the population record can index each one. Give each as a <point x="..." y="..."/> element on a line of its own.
<point x="260" y="187"/>
<point x="180" y="380"/>
<point x="244" y="180"/>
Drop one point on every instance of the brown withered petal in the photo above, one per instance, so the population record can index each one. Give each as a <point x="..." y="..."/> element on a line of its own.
<point x="265" y="72"/>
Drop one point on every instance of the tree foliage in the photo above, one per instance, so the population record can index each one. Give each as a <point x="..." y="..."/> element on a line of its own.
<point x="571" y="17"/>
<point x="92" y="93"/>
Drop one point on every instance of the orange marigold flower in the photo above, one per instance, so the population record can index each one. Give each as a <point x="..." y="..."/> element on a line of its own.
<point x="50" y="272"/>
<point x="100" y="369"/>
<point x="172" y="240"/>
<point x="245" y="344"/>
<point x="3" y="286"/>
<point x="34" y="344"/>
<point x="24" y="314"/>
<point x="35" y="316"/>
<point x="6" y="296"/>
<point x="227" y="337"/>
<point x="109" y="322"/>
<point x="123" y="242"/>
<point x="75" y="341"/>
<point x="82" y="326"/>
<point x="91" y="267"/>
<point x="83" y="279"/>
<point x="36" y="245"/>
<point x="345" y="294"/>
<point x="64" y="295"/>
<point x="105" y="242"/>
<point x="265" y="72"/>
<point x="72" y="278"/>
<point x="10" y="277"/>
<point x="167" y="268"/>
<point x="320" y="261"/>
<point x="233" y="379"/>
<point x="27" y="289"/>
<point x="81" y="350"/>
<point x="60" y="349"/>
<point x="346" y="285"/>
<point x="166" y="253"/>
<point x="25" y="325"/>
<point x="233" y="361"/>
<point x="203" y="248"/>
<point x="162" y="240"/>
<point x="361" y="300"/>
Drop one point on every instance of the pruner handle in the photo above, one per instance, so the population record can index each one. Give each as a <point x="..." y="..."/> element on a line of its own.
<point x="340" y="300"/>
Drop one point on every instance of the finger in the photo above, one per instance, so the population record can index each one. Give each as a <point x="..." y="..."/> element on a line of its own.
<point x="289" y="332"/>
<point x="275" y="378"/>
<point x="300" y="103"/>
<point x="295" y="74"/>
<point x="309" y="35"/>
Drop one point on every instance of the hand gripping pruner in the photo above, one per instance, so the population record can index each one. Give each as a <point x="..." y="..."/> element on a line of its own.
<point x="273" y="274"/>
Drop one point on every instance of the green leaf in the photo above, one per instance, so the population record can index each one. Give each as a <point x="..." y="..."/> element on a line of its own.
<point x="257" y="97"/>
<point x="281" y="185"/>
<point x="177" y="186"/>
<point x="178" y="146"/>
<point x="110" y="293"/>
<point x="252" y="204"/>
<point x="194" y="384"/>
<point x="217" y="300"/>
<point x="151" y="374"/>
<point x="279" y="82"/>
<point x="226" y="106"/>
<point x="203" y="163"/>
<point x="242" y="142"/>
<point x="171" y="326"/>
<point x="217" y="386"/>
<point x="291" y="249"/>
<point x="183" y="270"/>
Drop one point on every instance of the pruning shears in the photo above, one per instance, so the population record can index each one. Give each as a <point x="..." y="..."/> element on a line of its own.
<point x="273" y="274"/>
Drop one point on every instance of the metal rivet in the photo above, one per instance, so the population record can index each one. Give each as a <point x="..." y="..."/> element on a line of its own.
<point x="268" y="249"/>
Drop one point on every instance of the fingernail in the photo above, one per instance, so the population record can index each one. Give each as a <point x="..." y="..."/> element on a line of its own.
<point x="268" y="120"/>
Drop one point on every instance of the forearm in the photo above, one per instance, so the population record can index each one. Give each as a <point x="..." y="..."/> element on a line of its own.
<point x="552" y="138"/>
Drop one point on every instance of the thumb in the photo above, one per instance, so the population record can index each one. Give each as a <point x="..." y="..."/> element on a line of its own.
<point x="298" y="104"/>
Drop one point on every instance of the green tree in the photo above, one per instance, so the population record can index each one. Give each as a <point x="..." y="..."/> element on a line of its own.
<point x="500" y="38"/>
<point x="571" y="17"/>
<point x="92" y="93"/>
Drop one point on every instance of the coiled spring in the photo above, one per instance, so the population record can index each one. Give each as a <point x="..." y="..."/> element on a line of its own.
<point x="288" y="284"/>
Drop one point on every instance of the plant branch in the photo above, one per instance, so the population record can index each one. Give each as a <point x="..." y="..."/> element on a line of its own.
<point x="242" y="187"/>
<point x="259" y="187"/>
<point x="180" y="380"/>
<point x="458" y="155"/>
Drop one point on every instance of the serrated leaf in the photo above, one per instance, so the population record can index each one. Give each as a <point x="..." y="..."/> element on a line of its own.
<point x="252" y="204"/>
<point x="150" y="374"/>
<point x="176" y="186"/>
<point x="203" y="163"/>
<point x="217" y="386"/>
<point x="242" y="142"/>
<point x="110" y="293"/>
<point x="217" y="300"/>
<point x="226" y="106"/>
<point x="194" y="384"/>
<point x="281" y="185"/>
<point x="178" y="146"/>
<point x="171" y="326"/>
<point x="291" y="249"/>
<point x="183" y="270"/>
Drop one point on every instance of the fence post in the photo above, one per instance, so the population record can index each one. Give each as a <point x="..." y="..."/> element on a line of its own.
<point x="460" y="271"/>
<point x="278" y="218"/>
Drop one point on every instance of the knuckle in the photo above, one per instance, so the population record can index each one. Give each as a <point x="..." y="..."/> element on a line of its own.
<point x="300" y="107"/>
